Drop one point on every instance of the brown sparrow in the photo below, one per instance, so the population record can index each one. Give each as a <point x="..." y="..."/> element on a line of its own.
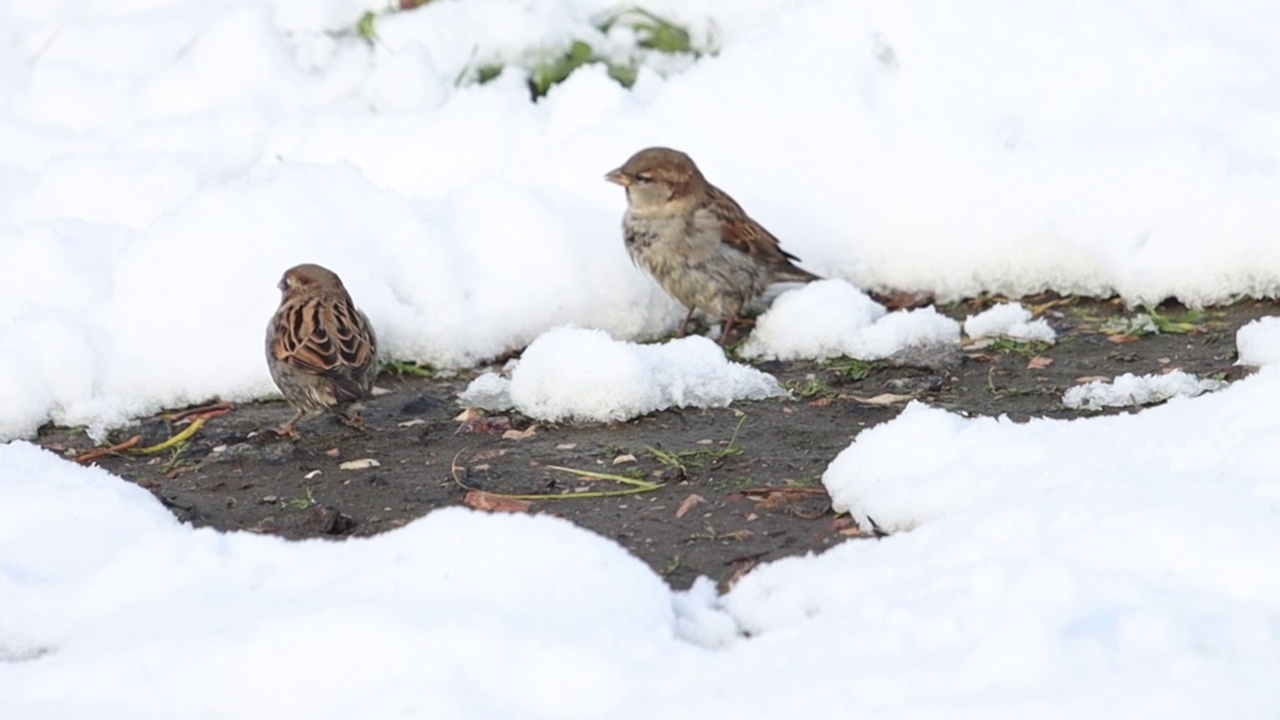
<point x="321" y="350"/>
<point x="698" y="243"/>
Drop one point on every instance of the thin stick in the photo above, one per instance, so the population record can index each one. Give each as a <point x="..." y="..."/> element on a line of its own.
<point x="183" y="436"/>
<point x="97" y="453"/>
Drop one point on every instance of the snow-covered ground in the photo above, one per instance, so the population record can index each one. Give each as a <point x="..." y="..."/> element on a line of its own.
<point x="162" y="162"/>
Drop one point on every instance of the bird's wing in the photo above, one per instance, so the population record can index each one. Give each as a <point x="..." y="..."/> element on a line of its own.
<point x="745" y="235"/>
<point x="327" y="336"/>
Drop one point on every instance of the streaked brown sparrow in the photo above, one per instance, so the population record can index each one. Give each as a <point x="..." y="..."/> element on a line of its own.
<point x="699" y="244"/>
<point x="321" y="350"/>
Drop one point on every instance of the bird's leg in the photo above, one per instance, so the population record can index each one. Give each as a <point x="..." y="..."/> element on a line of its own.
<point x="684" y="326"/>
<point x="729" y="323"/>
<point x="291" y="428"/>
<point x="724" y="334"/>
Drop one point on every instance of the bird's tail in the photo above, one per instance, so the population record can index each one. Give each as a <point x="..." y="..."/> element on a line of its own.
<point x="791" y="273"/>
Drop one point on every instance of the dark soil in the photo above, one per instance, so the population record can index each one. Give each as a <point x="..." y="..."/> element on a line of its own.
<point x="739" y="485"/>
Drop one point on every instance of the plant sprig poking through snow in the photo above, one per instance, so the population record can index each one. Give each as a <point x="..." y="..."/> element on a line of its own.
<point x="627" y="39"/>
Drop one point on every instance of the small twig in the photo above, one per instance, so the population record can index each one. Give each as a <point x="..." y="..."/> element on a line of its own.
<point x="183" y="436"/>
<point x="637" y="486"/>
<point x="97" y="453"/>
<point x="765" y="490"/>
<point x="207" y="412"/>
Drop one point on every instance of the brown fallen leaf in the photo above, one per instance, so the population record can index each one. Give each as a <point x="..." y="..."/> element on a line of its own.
<point x="361" y="464"/>
<point x="820" y="402"/>
<point x="882" y="399"/>
<point x="520" y="434"/>
<point x="481" y="500"/>
<point x="772" y="501"/>
<point x="1122" y="339"/>
<point x="333" y="452"/>
<point x="489" y="454"/>
<point x="739" y="572"/>
<point x="1091" y="378"/>
<point x="688" y="504"/>
<point x="902" y="299"/>
<point x="1039" y="362"/>
<point x="472" y="420"/>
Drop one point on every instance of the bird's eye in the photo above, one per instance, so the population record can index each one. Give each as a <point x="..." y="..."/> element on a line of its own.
<point x="643" y="178"/>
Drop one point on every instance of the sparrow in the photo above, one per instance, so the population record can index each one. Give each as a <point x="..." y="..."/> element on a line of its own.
<point x="321" y="350"/>
<point x="700" y="245"/>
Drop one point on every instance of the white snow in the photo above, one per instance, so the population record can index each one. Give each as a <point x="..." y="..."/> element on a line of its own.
<point x="1131" y="390"/>
<point x="1259" y="342"/>
<point x="831" y="318"/>
<point x="1009" y="320"/>
<point x="585" y="375"/>
<point x="162" y="162"/>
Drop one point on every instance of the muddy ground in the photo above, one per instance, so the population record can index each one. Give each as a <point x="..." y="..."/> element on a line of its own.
<point x="735" y="486"/>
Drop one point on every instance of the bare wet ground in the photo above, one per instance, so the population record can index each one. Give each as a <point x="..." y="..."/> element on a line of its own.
<point x="712" y="492"/>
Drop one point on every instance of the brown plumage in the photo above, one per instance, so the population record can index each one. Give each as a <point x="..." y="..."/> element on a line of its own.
<point x="699" y="244"/>
<point x="321" y="350"/>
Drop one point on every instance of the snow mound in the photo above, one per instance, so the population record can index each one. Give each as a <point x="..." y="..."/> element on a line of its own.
<point x="576" y="374"/>
<point x="1131" y="390"/>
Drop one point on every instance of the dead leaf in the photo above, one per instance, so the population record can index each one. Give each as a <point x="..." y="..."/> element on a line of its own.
<point x="688" y="504"/>
<point x="624" y="459"/>
<point x="752" y="516"/>
<point x="333" y="452"/>
<point x="472" y="420"/>
<point x="902" y="299"/>
<point x="773" y="500"/>
<point x="1039" y="362"/>
<point x="379" y="391"/>
<point x="495" y="503"/>
<point x="411" y="423"/>
<point x="1122" y="339"/>
<point x="489" y="454"/>
<point x="311" y="474"/>
<point x="566" y="446"/>
<point x="820" y="402"/>
<point x="854" y="531"/>
<point x="361" y="464"/>
<point x="520" y="434"/>
<point x="882" y="399"/>
<point x="1092" y="378"/>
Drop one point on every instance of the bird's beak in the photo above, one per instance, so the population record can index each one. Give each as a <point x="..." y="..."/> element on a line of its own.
<point x="619" y="177"/>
